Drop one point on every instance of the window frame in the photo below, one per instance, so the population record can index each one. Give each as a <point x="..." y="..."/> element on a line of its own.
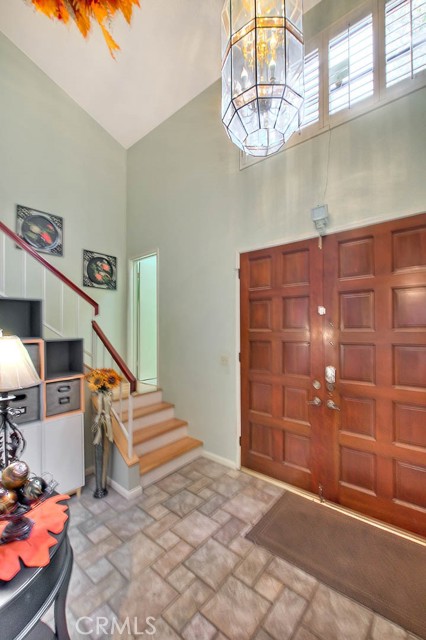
<point x="382" y="95"/>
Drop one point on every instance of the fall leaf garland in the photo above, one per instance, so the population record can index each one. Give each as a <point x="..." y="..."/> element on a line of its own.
<point x="83" y="12"/>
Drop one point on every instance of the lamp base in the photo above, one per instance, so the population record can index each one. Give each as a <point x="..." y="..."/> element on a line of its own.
<point x="19" y="529"/>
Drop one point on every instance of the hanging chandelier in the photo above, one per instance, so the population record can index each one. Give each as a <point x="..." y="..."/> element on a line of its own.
<point x="262" y="73"/>
<point x="84" y="12"/>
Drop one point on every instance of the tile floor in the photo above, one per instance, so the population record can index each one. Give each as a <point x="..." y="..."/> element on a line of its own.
<point x="176" y="560"/>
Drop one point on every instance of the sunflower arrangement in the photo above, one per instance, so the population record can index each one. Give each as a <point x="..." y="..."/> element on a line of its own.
<point x="84" y="12"/>
<point x="103" y="379"/>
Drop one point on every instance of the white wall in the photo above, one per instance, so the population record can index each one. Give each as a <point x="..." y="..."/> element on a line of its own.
<point x="55" y="158"/>
<point x="187" y="196"/>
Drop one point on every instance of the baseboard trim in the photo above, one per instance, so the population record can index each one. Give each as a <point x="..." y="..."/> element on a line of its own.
<point x="225" y="461"/>
<point x="129" y="494"/>
<point x="89" y="471"/>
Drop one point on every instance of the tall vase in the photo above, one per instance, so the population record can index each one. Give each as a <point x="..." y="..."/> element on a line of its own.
<point x="102" y="430"/>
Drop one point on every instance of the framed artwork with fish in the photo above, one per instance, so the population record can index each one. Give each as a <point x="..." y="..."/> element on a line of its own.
<point x="44" y="232"/>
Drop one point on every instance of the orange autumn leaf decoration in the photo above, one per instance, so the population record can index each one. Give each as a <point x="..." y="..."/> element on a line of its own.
<point x="83" y="12"/>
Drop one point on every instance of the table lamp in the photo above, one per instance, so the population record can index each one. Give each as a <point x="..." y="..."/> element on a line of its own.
<point x="16" y="372"/>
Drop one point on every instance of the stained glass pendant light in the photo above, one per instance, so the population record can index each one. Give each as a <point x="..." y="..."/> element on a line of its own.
<point x="262" y="72"/>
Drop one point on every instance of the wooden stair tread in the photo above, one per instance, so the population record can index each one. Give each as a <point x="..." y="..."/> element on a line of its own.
<point x="155" y="430"/>
<point x="140" y="412"/>
<point x="154" y="459"/>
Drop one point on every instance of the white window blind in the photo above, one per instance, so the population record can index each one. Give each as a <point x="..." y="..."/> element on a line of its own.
<point x="350" y="56"/>
<point x="405" y="38"/>
<point x="312" y="80"/>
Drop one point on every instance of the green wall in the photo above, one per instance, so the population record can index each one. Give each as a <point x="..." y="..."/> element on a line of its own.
<point x="187" y="197"/>
<point x="55" y="158"/>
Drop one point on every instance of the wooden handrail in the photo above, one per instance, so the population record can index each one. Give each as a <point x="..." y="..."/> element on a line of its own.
<point x="26" y="247"/>
<point x="131" y="379"/>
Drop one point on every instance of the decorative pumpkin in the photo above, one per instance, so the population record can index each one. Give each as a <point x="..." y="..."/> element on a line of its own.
<point x="8" y="499"/>
<point x="33" y="489"/>
<point x="15" y="475"/>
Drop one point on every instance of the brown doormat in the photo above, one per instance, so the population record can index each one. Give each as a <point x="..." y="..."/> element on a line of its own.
<point x="380" y="570"/>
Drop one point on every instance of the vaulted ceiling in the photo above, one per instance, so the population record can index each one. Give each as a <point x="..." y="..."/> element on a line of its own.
<point x="169" y="54"/>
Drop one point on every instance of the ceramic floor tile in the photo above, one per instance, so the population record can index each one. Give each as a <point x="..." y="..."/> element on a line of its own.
<point x="262" y="635"/>
<point x="168" y="540"/>
<point x="99" y="570"/>
<point x="153" y="497"/>
<point x="186" y="606"/>
<point x="231" y="529"/>
<point x="180" y="578"/>
<point x="332" y="616"/>
<point x="128" y="523"/>
<point x="384" y="630"/>
<point x="206" y="493"/>
<point x="268" y="586"/>
<point x="285" y="615"/>
<point x="236" y="610"/>
<point x="200" y="484"/>
<point x="304" y="634"/>
<point x="209" y="468"/>
<point x="244" y="508"/>
<point x="226" y="486"/>
<point x="195" y="528"/>
<point x="79" y="583"/>
<point x="148" y="596"/>
<point x="213" y="503"/>
<point x="292" y="577"/>
<point x="173" y="483"/>
<point x="241" y="545"/>
<point x="132" y="557"/>
<point x="199" y="629"/>
<point x="255" y="596"/>
<point x="157" y="512"/>
<point x="164" y="631"/>
<point x="175" y="556"/>
<point x="222" y="517"/>
<point x="98" y="551"/>
<point x="155" y="530"/>
<point x="252" y="566"/>
<point x="97" y="595"/>
<point x="183" y="502"/>
<point x="212" y="563"/>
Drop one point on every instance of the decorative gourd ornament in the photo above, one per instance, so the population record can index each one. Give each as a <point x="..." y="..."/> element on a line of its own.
<point x="15" y="475"/>
<point x="33" y="489"/>
<point x="8" y="499"/>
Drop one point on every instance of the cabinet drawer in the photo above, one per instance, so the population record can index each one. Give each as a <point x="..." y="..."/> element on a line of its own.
<point x="62" y="397"/>
<point x="28" y="401"/>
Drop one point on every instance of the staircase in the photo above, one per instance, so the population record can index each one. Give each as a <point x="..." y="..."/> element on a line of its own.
<point x="160" y="441"/>
<point x="146" y="432"/>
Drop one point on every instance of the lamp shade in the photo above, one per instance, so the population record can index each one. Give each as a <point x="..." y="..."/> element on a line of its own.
<point x="262" y="73"/>
<point x="16" y="369"/>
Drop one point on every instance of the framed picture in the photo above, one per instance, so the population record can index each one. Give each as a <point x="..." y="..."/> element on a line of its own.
<point x="44" y="232"/>
<point x="99" y="270"/>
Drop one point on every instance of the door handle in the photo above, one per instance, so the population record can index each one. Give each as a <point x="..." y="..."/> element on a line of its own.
<point x="316" y="402"/>
<point x="332" y="405"/>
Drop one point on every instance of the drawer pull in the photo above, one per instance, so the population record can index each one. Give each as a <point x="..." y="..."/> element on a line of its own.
<point x="65" y="400"/>
<point x="65" y="387"/>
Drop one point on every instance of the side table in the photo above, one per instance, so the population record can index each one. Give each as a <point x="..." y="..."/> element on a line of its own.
<point x="26" y="598"/>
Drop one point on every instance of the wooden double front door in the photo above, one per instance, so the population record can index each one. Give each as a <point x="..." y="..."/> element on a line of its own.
<point x="356" y="311"/>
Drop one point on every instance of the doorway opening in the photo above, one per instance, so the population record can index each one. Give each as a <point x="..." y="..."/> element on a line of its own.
<point x="145" y="318"/>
